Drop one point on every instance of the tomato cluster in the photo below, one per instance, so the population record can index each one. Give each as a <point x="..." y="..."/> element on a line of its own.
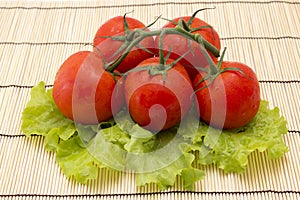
<point x="158" y="75"/>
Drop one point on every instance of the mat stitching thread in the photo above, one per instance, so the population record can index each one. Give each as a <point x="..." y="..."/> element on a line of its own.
<point x="149" y="193"/>
<point x="35" y="135"/>
<point x="48" y="86"/>
<point x="87" y="43"/>
<point x="143" y="5"/>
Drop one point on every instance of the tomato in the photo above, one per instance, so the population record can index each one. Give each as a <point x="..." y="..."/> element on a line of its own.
<point x="83" y="90"/>
<point x="179" y="45"/>
<point x="155" y="103"/>
<point x="107" y="47"/>
<point x="231" y="100"/>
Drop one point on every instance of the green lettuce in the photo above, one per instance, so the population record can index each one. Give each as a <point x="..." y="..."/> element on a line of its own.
<point x="75" y="160"/>
<point x="127" y="146"/>
<point x="155" y="158"/>
<point x="41" y="115"/>
<point x="232" y="148"/>
<point x="166" y="176"/>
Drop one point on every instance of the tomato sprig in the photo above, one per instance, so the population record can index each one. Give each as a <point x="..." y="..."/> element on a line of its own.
<point x="132" y="38"/>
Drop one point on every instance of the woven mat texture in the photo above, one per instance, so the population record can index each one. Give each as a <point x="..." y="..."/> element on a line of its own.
<point x="36" y="37"/>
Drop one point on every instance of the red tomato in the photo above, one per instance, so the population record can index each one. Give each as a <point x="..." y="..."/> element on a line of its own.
<point x="108" y="46"/>
<point x="83" y="90"/>
<point x="154" y="103"/>
<point x="179" y="45"/>
<point x="231" y="100"/>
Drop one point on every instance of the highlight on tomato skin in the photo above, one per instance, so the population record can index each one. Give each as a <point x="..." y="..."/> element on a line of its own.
<point x="154" y="103"/>
<point x="83" y="90"/>
<point x="179" y="45"/>
<point x="105" y="44"/>
<point x="240" y="96"/>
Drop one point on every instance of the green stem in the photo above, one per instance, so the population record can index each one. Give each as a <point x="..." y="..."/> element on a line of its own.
<point x="161" y="52"/>
<point x="210" y="47"/>
<point x="213" y="69"/>
<point x="195" y="13"/>
<point x="142" y="34"/>
<point x="184" y="25"/>
<point x="199" y="39"/>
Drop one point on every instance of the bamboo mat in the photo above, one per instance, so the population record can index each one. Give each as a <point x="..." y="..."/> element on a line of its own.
<point x="36" y="37"/>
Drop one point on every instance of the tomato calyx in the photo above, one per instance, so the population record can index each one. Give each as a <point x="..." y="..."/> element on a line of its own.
<point x="162" y="68"/>
<point x="187" y="25"/>
<point x="129" y="38"/>
<point x="159" y="69"/>
<point x="214" y="70"/>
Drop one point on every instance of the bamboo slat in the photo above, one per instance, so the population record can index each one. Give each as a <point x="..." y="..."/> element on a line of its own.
<point x="37" y="36"/>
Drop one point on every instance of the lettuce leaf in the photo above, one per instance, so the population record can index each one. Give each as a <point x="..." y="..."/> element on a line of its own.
<point x="41" y="115"/>
<point x="75" y="160"/>
<point x="127" y="146"/>
<point x="123" y="145"/>
<point x="231" y="151"/>
<point x="166" y="176"/>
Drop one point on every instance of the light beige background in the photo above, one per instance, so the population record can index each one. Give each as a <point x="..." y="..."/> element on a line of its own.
<point x="36" y="37"/>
